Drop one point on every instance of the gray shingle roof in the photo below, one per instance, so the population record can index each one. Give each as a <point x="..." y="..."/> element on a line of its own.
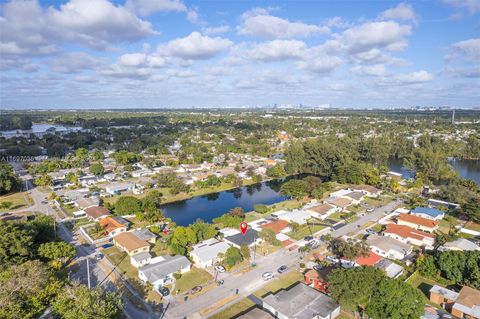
<point x="301" y="302"/>
<point x="241" y="239"/>
<point x="144" y="234"/>
<point x="170" y="265"/>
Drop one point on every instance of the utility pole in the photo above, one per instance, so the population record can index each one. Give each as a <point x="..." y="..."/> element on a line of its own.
<point x="88" y="273"/>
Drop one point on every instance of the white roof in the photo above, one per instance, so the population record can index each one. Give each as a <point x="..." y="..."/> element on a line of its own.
<point x="298" y="216"/>
<point x="282" y="237"/>
<point x="209" y="250"/>
<point x="462" y="244"/>
<point x="229" y="231"/>
<point x="257" y="223"/>
<point x="340" y="193"/>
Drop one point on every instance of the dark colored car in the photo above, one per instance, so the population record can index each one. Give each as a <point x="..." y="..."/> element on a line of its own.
<point x="196" y="289"/>
<point x="107" y="245"/>
<point x="164" y="291"/>
<point x="282" y="268"/>
<point x="318" y="267"/>
<point x="308" y="238"/>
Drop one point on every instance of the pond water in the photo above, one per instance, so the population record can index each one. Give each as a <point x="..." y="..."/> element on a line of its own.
<point x="39" y="129"/>
<point x="213" y="205"/>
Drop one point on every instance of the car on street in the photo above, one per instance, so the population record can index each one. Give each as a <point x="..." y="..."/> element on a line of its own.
<point x="282" y="269"/>
<point x="313" y="243"/>
<point x="308" y="238"/>
<point x="107" y="246"/>
<point x="318" y="267"/>
<point x="98" y="257"/>
<point x="164" y="291"/>
<point x="370" y="210"/>
<point x="196" y="289"/>
<point x="332" y="259"/>
<point x="267" y="276"/>
<point x="370" y="231"/>
<point x="220" y="282"/>
<point x="220" y="268"/>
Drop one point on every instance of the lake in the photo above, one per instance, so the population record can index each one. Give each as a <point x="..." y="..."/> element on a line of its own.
<point x="40" y="129"/>
<point x="213" y="205"/>
<point x="469" y="169"/>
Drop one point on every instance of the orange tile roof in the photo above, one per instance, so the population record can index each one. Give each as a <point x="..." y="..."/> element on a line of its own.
<point x="407" y="232"/>
<point x="369" y="260"/>
<point x="96" y="211"/>
<point x="277" y="226"/>
<point x="417" y="220"/>
<point x="129" y="241"/>
<point x="110" y="224"/>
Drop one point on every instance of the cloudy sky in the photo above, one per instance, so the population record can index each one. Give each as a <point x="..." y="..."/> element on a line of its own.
<point x="173" y="53"/>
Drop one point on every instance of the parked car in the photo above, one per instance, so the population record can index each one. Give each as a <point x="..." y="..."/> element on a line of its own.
<point x="164" y="291"/>
<point x="332" y="259"/>
<point x="370" y="231"/>
<point x="318" y="267"/>
<point x="98" y="257"/>
<point x="196" y="289"/>
<point x="267" y="276"/>
<point x="308" y="238"/>
<point x="370" y="210"/>
<point x="220" y="282"/>
<point x="107" y="246"/>
<point x="347" y="264"/>
<point x="220" y="268"/>
<point x="282" y="269"/>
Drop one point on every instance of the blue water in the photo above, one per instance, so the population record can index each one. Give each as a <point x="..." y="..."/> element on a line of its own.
<point x="469" y="169"/>
<point x="210" y="206"/>
<point x="397" y="166"/>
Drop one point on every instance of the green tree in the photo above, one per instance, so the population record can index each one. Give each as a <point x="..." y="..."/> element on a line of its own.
<point x="426" y="266"/>
<point x="269" y="236"/>
<point x="233" y="256"/>
<point x="80" y="302"/>
<point x="349" y="249"/>
<point x="43" y="180"/>
<point x="96" y="169"/>
<point x="245" y="251"/>
<point x="128" y="205"/>
<point x="16" y="243"/>
<point x="472" y="209"/>
<point x="57" y="250"/>
<point x="261" y="208"/>
<point x="294" y="189"/>
<point x="276" y="171"/>
<point x="8" y="180"/>
<point x="394" y="299"/>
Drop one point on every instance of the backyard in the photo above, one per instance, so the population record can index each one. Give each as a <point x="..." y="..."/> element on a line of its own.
<point x="15" y="200"/>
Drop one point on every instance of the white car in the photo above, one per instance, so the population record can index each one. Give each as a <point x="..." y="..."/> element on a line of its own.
<point x="220" y="268"/>
<point x="332" y="259"/>
<point x="267" y="276"/>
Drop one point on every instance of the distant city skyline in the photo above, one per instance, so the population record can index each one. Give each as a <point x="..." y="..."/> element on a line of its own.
<point x="179" y="54"/>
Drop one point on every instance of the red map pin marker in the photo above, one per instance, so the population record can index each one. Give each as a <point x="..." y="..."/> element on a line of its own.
<point x="243" y="227"/>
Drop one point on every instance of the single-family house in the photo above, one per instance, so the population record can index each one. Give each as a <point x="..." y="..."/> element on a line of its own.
<point x="416" y="222"/>
<point x="340" y="193"/>
<point x="205" y="254"/>
<point x="146" y="235"/>
<point x="141" y="259"/>
<point x="388" y="247"/>
<point x="368" y="190"/>
<point x="409" y="235"/>
<point x="464" y="304"/>
<point x="278" y="226"/>
<point x="440" y="203"/>
<point x="355" y="196"/>
<point x="341" y="202"/>
<point x="428" y="212"/>
<point x="443" y="297"/>
<point x="113" y="226"/>
<point x="110" y="177"/>
<point x="318" y="279"/>
<point x="131" y="244"/>
<point x="142" y="172"/>
<point x="117" y="188"/>
<point x="321" y="211"/>
<point x="250" y="238"/>
<point x="369" y="260"/>
<point x="299" y="216"/>
<point x="301" y="301"/>
<point x="97" y="213"/>
<point x="161" y="273"/>
<point x="460" y="244"/>
<point x="391" y="269"/>
<point x="86" y="202"/>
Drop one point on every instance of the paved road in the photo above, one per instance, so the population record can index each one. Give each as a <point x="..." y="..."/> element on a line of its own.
<point x="246" y="283"/>
<point x="363" y="220"/>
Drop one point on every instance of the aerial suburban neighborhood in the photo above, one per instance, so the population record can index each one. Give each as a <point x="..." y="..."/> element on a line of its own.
<point x="187" y="159"/>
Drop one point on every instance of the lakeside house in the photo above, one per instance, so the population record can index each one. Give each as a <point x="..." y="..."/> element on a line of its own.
<point x="206" y="253"/>
<point x="301" y="301"/>
<point x="368" y="190"/>
<point x="250" y="238"/>
<point x="118" y="188"/>
<point x="145" y="234"/>
<point x="428" y="213"/>
<point x="321" y="211"/>
<point x="299" y="216"/>
<point x="341" y="202"/>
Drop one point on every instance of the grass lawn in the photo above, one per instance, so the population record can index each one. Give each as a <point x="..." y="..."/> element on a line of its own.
<point x="472" y="226"/>
<point x="377" y="228"/>
<point x="160" y="248"/>
<point x="195" y="277"/>
<point x="306" y="230"/>
<point x="116" y="256"/>
<point x="281" y="282"/>
<point x="266" y="249"/>
<point x="250" y="217"/>
<point x="235" y="309"/>
<point x="355" y="208"/>
<point x="424" y="284"/>
<point x="17" y="200"/>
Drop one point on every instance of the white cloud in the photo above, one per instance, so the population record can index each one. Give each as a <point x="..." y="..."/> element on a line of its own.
<point x="337" y="22"/>
<point x="148" y="7"/>
<point x="20" y="64"/>
<point x="193" y="16"/>
<point x="473" y="6"/>
<point x="320" y="64"/>
<point x="268" y="26"/>
<point x="402" y="12"/>
<point x="74" y="62"/>
<point x="141" y="60"/>
<point x="389" y="35"/>
<point x="195" y="46"/>
<point x="278" y="50"/>
<point x="120" y="71"/>
<point x="467" y="49"/>
<point x="414" y="77"/>
<point x="371" y="70"/>
<point x="215" y="30"/>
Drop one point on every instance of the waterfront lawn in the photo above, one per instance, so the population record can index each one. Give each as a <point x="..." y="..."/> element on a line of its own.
<point x="195" y="277"/>
<point x="17" y="200"/>
<point x="160" y="248"/>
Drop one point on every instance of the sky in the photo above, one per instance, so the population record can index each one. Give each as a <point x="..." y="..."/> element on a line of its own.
<point x="181" y="54"/>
